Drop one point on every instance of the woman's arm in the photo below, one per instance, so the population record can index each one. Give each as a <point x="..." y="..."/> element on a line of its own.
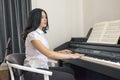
<point x="52" y="54"/>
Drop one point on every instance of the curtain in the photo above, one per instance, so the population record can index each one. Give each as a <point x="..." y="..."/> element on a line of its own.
<point x="13" y="16"/>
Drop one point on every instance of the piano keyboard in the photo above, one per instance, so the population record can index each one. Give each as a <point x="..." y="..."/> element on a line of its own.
<point x="101" y="62"/>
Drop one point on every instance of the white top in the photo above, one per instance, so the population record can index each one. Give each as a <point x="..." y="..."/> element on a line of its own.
<point x="35" y="58"/>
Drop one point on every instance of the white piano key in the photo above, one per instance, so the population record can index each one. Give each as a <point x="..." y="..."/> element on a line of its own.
<point x="101" y="62"/>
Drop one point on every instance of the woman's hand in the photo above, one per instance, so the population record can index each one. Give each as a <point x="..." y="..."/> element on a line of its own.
<point x="66" y="51"/>
<point x="70" y="53"/>
<point x="77" y="55"/>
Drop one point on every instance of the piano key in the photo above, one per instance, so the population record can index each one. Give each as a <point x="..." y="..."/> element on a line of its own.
<point x="101" y="62"/>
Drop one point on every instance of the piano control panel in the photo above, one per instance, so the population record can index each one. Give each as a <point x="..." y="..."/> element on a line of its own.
<point x="106" y="55"/>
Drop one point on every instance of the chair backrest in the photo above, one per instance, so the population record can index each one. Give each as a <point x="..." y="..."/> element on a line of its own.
<point x="16" y="58"/>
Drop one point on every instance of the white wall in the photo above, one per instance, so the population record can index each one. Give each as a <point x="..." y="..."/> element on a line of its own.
<point x="100" y="10"/>
<point x="63" y="20"/>
<point x="73" y="18"/>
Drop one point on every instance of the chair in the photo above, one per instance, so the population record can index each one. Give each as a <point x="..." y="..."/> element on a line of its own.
<point x="15" y="65"/>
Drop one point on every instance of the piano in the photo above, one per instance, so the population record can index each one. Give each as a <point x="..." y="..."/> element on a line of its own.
<point x="101" y="58"/>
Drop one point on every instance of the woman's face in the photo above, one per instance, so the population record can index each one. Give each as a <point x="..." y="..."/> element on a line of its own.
<point x="43" y="20"/>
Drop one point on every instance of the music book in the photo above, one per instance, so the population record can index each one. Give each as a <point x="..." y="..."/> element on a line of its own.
<point x="107" y="32"/>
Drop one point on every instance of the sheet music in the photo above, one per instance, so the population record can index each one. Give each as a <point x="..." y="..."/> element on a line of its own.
<point x="105" y="32"/>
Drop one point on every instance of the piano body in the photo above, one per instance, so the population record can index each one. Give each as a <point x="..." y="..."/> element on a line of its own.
<point x="101" y="58"/>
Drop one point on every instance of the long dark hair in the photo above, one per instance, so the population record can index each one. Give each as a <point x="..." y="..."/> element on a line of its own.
<point x="34" y="21"/>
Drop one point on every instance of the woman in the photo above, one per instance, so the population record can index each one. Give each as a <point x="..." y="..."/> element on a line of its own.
<point x="37" y="49"/>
